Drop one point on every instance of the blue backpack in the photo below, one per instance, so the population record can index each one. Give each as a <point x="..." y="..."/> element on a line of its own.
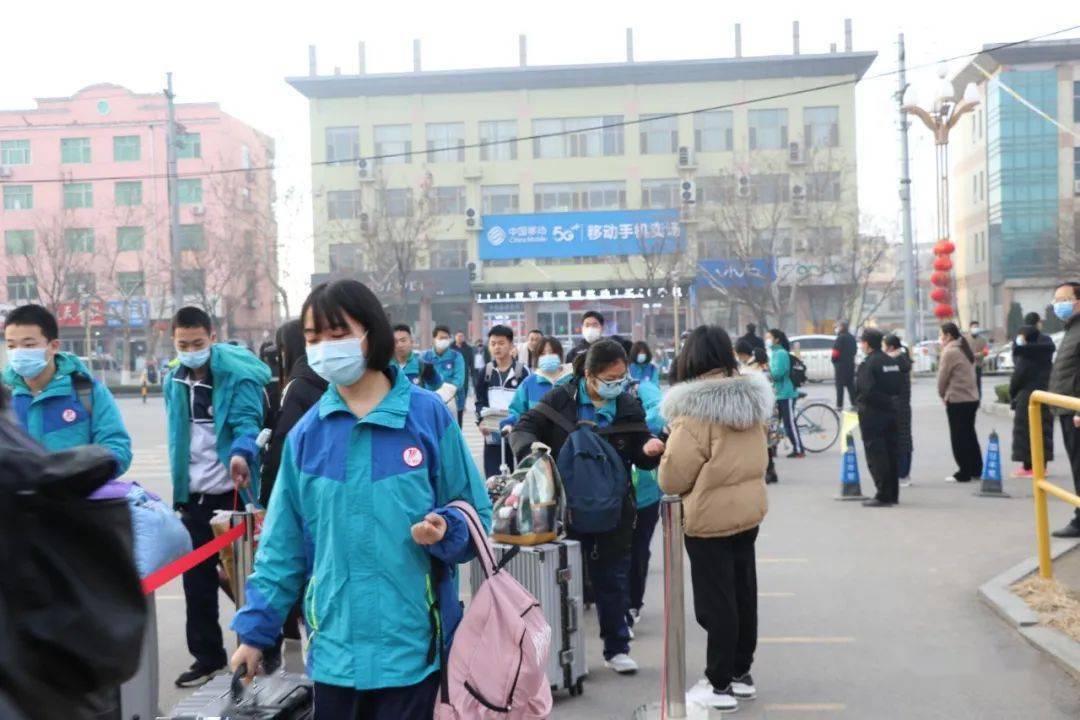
<point x="594" y="477"/>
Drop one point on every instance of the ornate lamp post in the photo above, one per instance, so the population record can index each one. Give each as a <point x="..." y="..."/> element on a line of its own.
<point x="941" y="118"/>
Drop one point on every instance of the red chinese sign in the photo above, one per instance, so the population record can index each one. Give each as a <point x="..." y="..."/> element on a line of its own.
<point x="73" y="314"/>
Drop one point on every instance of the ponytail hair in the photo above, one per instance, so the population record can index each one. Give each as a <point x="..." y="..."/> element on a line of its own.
<point x="953" y="331"/>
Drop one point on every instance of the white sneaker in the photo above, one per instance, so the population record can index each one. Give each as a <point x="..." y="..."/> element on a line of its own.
<point x="635" y="614"/>
<point x="950" y="479"/>
<point x="630" y="631"/>
<point x="906" y="483"/>
<point x="622" y="664"/>
<point x="743" y="687"/>
<point x="704" y="695"/>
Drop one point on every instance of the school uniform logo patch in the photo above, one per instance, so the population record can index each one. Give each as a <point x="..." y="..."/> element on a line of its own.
<point x="412" y="457"/>
<point x="69" y="415"/>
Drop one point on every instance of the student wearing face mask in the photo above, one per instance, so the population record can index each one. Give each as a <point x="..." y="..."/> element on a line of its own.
<point x="450" y="364"/>
<point x="54" y="396"/>
<point x="779" y="348"/>
<point x="592" y="329"/>
<point x="642" y="368"/>
<point x="1065" y="380"/>
<point x="366" y="475"/>
<point x="596" y="395"/>
<point x="550" y="372"/>
<point x="214" y="406"/>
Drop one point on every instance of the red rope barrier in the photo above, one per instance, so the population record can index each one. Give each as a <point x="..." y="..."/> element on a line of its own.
<point x="178" y="567"/>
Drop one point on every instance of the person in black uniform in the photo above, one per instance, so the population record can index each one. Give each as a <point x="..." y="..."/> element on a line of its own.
<point x="878" y="384"/>
<point x="752" y="338"/>
<point x="844" y="350"/>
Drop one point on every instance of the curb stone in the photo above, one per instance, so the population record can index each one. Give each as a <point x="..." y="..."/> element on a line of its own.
<point x="997" y="593"/>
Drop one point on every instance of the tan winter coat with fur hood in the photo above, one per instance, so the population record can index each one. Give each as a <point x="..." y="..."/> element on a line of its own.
<point x="716" y="454"/>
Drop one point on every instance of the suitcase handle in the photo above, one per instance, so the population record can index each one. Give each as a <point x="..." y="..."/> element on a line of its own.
<point x="572" y="615"/>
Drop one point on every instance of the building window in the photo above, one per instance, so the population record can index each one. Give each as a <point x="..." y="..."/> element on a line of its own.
<point x="770" y="188"/>
<point x="130" y="238"/>
<point x="768" y="129"/>
<point x="394" y="141"/>
<point x="18" y="197"/>
<point x="982" y="185"/>
<point x="824" y="240"/>
<point x="130" y="284"/>
<point x="75" y="150"/>
<point x="771" y="242"/>
<point x="126" y="148"/>
<point x="79" y="240"/>
<point x="714" y="131"/>
<point x="578" y="137"/>
<point x="823" y="186"/>
<point x="19" y="242"/>
<point x="821" y="126"/>
<point x="343" y="204"/>
<point x="1076" y="102"/>
<point x="189" y="191"/>
<point x="21" y="288"/>
<point x="449" y="254"/>
<point x="78" y="195"/>
<point x="563" y="197"/>
<point x="448" y="200"/>
<point x="192" y="237"/>
<point x="188" y="146"/>
<point x="497" y="140"/>
<point x="1076" y="165"/>
<point x="446" y="142"/>
<point x="342" y="145"/>
<point x="717" y="190"/>
<point x="397" y="202"/>
<point x="499" y="199"/>
<point x="193" y="282"/>
<point x="659" y="136"/>
<point x="79" y="285"/>
<point x="660" y="193"/>
<point x="129" y="193"/>
<point x="14" y="152"/>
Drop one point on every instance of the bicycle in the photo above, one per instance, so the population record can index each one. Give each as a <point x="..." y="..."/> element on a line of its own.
<point x="818" y="424"/>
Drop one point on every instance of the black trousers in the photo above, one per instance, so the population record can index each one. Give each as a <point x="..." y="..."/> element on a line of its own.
<point x="845" y="380"/>
<point x="201" y="582"/>
<point x="880" y="438"/>
<point x="724" y="576"/>
<point x="787" y="415"/>
<point x="640" y="554"/>
<point x="1071" y="435"/>
<point x="413" y="702"/>
<point x="965" y="442"/>
<point x="461" y="414"/>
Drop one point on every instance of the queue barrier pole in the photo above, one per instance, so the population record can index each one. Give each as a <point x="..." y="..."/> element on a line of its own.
<point x="243" y="553"/>
<point x="1040" y="486"/>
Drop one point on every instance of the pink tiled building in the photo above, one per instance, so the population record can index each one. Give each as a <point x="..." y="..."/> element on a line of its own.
<point x="85" y="219"/>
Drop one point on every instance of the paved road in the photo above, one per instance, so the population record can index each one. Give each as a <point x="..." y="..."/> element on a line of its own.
<point x="864" y="613"/>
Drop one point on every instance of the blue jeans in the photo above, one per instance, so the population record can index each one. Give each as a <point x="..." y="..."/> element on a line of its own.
<point x="610" y="575"/>
<point x="413" y="702"/>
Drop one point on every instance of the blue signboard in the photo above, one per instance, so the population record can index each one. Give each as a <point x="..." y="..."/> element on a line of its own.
<point x="138" y="309"/>
<point x="755" y="272"/>
<point x="580" y="234"/>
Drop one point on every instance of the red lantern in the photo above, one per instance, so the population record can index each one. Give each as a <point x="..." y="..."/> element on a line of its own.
<point x="940" y="295"/>
<point x="944" y="248"/>
<point x="940" y="279"/>
<point x="943" y="312"/>
<point x="942" y="263"/>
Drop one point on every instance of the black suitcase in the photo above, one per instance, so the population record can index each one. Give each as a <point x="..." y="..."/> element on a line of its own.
<point x="282" y="696"/>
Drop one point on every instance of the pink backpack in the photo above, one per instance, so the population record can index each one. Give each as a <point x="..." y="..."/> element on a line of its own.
<point x="500" y="650"/>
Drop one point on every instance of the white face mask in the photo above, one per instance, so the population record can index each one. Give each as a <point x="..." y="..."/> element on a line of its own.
<point x="591" y="334"/>
<point x="768" y="342"/>
<point x="442" y="344"/>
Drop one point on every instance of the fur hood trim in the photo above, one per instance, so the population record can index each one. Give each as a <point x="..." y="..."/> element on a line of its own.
<point x="741" y="401"/>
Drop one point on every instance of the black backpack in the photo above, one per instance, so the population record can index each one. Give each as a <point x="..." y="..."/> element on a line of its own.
<point x="797" y="373"/>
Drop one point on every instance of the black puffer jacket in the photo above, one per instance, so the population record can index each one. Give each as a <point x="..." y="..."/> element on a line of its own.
<point x="303" y="390"/>
<point x="1065" y="376"/>
<point x="1032" y="365"/>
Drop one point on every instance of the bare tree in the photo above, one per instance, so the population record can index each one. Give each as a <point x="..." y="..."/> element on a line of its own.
<point x="875" y="278"/>
<point x="657" y="265"/>
<point x="57" y="258"/>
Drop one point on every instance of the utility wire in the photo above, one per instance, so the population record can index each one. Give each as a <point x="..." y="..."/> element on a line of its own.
<point x="542" y="136"/>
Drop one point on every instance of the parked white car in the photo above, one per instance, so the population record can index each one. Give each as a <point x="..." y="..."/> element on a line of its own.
<point x="925" y="356"/>
<point x="816" y="353"/>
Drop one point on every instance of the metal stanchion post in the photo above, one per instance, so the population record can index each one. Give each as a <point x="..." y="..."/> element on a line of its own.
<point x="243" y="553"/>
<point x="673" y="680"/>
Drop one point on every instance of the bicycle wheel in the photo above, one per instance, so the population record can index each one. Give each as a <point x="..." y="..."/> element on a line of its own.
<point x="819" y="426"/>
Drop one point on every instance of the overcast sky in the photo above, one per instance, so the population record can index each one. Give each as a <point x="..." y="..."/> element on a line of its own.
<point x="238" y="52"/>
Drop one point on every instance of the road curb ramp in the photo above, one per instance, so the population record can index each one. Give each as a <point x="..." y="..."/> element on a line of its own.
<point x="850" y="487"/>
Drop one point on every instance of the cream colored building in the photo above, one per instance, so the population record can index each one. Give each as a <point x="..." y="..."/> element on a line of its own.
<point x="445" y="133"/>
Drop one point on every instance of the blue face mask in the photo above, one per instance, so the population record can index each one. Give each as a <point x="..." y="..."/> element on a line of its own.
<point x="549" y="363"/>
<point x="338" y="362"/>
<point x="194" y="359"/>
<point x="641" y="358"/>
<point x="28" y="363"/>
<point x="1063" y="309"/>
<point x="610" y="389"/>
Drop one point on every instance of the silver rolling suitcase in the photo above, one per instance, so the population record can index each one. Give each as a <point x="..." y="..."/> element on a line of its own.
<point x="552" y="572"/>
<point x="281" y="696"/>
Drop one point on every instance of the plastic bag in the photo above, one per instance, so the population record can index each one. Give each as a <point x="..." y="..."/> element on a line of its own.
<point x="160" y="537"/>
<point x="529" y="504"/>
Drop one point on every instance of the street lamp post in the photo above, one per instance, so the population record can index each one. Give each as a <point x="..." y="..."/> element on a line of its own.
<point x="940" y="119"/>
